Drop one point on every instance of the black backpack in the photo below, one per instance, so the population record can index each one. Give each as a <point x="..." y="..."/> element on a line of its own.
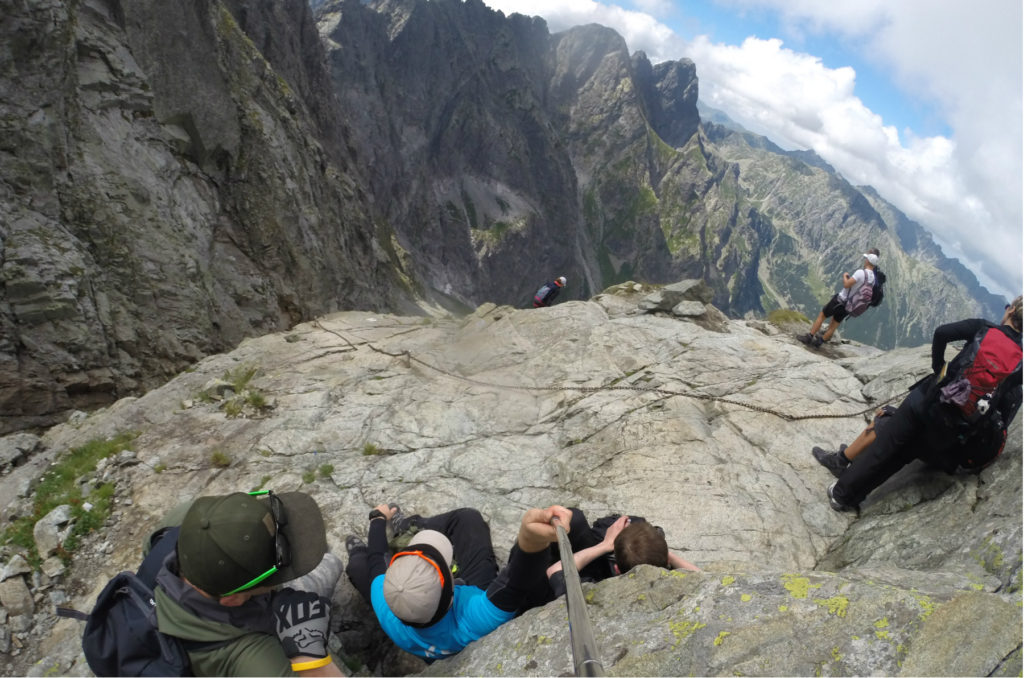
<point x="121" y="636"/>
<point x="876" y="288"/>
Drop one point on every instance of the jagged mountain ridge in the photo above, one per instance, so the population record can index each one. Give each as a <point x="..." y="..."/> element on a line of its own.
<point x="660" y="196"/>
<point x="162" y="200"/>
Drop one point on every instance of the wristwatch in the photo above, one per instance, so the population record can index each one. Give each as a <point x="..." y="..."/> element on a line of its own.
<point x="375" y="513"/>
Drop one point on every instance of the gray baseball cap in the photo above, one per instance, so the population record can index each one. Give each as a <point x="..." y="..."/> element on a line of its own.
<point x="418" y="585"/>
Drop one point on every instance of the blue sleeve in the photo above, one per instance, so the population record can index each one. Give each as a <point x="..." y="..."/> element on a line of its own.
<point x="402" y="635"/>
<point x="476" y="615"/>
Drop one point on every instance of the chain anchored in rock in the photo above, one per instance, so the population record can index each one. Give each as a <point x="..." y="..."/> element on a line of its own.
<point x="409" y="358"/>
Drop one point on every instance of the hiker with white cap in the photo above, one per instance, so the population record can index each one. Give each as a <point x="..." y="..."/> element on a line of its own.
<point x="547" y="294"/>
<point x="443" y="590"/>
<point x="850" y="301"/>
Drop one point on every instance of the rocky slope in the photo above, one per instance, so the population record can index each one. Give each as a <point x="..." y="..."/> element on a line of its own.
<point x="581" y="404"/>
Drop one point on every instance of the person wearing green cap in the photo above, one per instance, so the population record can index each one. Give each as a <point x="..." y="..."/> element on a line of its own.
<point x="217" y="590"/>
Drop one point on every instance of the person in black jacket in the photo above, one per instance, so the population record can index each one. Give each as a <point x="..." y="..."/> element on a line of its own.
<point x="547" y="294"/>
<point x="926" y="428"/>
<point x="611" y="546"/>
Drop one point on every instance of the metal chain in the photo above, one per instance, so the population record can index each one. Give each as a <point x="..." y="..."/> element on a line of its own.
<point x="410" y="358"/>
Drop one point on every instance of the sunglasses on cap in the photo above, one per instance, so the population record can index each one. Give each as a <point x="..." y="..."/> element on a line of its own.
<point x="282" y="549"/>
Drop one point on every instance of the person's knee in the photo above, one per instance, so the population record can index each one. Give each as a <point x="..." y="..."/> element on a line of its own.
<point x="469" y="514"/>
<point x="464" y="517"/>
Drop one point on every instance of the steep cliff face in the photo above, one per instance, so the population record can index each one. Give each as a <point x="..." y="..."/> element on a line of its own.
<point x="449" y="102"/>
<point x="593" y="404"/>
<point x="166" y="191"/>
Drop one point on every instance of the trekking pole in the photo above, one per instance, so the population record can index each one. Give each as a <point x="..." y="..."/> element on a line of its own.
<point x="581" y="634"/>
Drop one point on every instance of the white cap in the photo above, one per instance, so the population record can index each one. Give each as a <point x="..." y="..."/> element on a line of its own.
<point x="872" y="259"/>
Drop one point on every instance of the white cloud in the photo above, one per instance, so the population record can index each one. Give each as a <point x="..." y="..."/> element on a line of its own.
<point x="640" y="30"/>
<point x="965" y="58"/>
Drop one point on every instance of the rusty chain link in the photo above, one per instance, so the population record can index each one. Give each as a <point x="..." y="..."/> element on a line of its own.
<point x="410" y="358"/>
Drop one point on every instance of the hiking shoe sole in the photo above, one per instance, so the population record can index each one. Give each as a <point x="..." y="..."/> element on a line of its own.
<point x="835" y="503"/>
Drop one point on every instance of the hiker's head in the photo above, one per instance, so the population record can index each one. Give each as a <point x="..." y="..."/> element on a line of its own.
<point x="1012" y="314"/>
<point x="418" y="584"/>
<point x="560" y="281"/>
<point x="872" y="256"/>
<point x="240" y="543"/>
<point x="640" y="543"/>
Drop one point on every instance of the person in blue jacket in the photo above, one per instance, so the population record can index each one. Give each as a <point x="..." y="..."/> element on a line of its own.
<point x="547" y="294"/>
<point x="416" y="598"/>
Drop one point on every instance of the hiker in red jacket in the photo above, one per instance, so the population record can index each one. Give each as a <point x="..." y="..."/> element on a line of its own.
<point x="953" y="419"/>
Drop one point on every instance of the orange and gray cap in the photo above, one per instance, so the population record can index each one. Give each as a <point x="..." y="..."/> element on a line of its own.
<point x="418" y="585"/>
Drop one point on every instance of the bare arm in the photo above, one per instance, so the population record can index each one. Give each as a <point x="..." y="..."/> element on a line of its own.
<point x="677" y="563"/>
<point x="584" y="557"/>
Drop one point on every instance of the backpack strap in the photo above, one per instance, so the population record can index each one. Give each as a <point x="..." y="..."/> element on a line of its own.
<point x="162" y="544"/>
<point x="71" y="613"/>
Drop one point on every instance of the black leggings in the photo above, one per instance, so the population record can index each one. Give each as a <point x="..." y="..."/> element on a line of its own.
<point x="476" y="564"/>
<point x="914" y="431"/>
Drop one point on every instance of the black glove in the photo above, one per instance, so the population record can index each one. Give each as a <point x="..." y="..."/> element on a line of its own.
<point x="303" y="619"/>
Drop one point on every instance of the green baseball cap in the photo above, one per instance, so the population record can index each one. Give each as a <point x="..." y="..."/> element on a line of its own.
<point x="229" y="540"/>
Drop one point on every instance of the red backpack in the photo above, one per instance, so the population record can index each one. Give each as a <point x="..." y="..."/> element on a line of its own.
<point x="979" y="370"/>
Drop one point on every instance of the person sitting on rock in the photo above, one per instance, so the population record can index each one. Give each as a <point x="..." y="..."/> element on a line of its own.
<point x="547" y="294"/>
<point x="216" y="588"/>
<point x="835" y="308"/>
<point x="418" y="601"/>
<point x="613" y="545"/>
<point x="931" y="425"/>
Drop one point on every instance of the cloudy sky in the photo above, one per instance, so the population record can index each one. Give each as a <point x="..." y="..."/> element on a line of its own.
<point x="921" y="99"/>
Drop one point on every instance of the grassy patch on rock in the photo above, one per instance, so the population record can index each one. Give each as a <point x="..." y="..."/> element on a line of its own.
<point x="783" y="317"/>
<point x="59" y="485"/>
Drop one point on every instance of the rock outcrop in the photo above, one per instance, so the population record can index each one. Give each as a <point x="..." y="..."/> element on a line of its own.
<point x="163" y="197"/>
<point x="588" y="404"/>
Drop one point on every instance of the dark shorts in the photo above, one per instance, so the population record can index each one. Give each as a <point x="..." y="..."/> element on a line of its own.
<point x="835" y="309"/>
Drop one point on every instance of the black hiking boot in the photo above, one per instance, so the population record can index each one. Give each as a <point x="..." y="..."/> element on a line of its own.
<point x="835" y="462"/>
<point x="401" y="523"/>
<point x="837" y="503"/>
<point x="817" y="340"/>
<point x="806" y="338"/>
<point x="352" y="543"/>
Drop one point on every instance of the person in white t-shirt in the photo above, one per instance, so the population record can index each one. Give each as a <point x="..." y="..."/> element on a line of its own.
<point x="835" y="309"/>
